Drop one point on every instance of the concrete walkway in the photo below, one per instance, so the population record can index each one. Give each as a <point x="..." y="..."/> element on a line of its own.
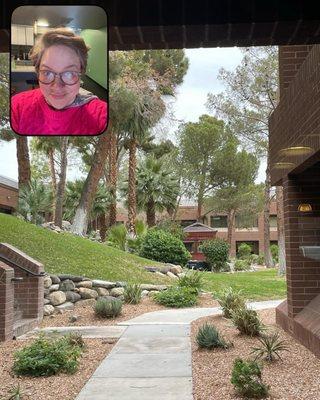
<point x="152" y="359"/>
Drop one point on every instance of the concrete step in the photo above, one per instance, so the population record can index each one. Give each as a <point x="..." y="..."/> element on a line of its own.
<point x="24" y="325"/>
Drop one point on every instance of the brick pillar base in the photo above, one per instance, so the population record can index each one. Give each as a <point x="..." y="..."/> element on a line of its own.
<point x="6" y="302"/>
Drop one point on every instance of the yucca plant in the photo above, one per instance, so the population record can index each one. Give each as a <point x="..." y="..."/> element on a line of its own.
<point x="16" y="393"/>
<point x="229" y="300"/>
<point x="247" y="321"/>
<point x="75" y="339"/>
<point x="193" y="280"/>
<point x="108" y="308"/>
<point x="132" y="293"/>
<point x="209" y="337"/>
<point x="270" y="346"/>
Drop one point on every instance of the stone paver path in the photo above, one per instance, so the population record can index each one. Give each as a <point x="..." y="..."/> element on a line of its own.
<point x="152" y="359"/>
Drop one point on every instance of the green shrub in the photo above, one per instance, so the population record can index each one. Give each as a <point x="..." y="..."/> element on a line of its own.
<point x="216" y="252"/>
<point x="46" y="357"/>
<point x="244" y="251"/>
<point x="209" y="337"/>
<point x="172" y="227"/>
<point x="132" y="293"/>
<point x="242" y="265"/>
<point x="117" y="236"/>
<point x="161" y="246"/>
<point x="75" y="339"/>
<point x="108" y="308"/>
<point x="260" y="260"/>
<point x="229" y="300"/>
<point x="247" y="321"/>
<point x="254" y="259"/>
<point x="177" y="297"/>
<point x="274" y="248"/>
<point x="246" y="378"/>
<point x="270" y="346"/>
<point x="192" y="280"/>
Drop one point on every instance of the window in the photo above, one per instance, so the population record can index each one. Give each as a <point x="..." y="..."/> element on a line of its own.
<point x="187" y="222"/>
<point x="189" y="246"/>
<point x="219" y="221"/>
<point x="246" y="221"/>
<point x="273" y="221"/>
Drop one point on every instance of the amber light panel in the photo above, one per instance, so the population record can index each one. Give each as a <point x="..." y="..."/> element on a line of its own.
<point x="305" y="207"/>
<point x="296" y="151"/>
<point x="283" y="165"/>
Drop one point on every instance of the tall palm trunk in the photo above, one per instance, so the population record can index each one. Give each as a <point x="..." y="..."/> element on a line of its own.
<point x="132" y="202"/>
<point x="266" y="215"/>
<point x="24" y="170"/>
<point x="281" y="237"/>
<point x="80" y="222"/>
<point x="62" y="181"/>
<point x="151" y="212"/>
<point x="231" y="217"/>
<point x="113" y="178"/>
<point x="53" y="179"/>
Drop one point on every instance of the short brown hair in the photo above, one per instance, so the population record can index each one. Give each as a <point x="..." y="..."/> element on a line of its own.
<point x="60" y="36"/>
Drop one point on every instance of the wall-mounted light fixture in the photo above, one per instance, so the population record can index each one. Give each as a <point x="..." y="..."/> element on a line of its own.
<point x="296" y="151"/>
<point x="305" y="207"/>
<point x="283" y="165"/>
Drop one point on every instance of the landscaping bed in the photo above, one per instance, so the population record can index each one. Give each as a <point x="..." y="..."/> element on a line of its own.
<point x="62" y="386"/>
<point x="86" y="315"/>
<point x="296" y="377"/>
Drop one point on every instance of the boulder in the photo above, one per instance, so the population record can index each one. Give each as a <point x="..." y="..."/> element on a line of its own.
<point x="104" y="284"/>
<point x="57" y="298"/>
<point x="53" y="288"/>
<point x="160" y="273"/>
<point x="65" y="306"/>
<point x="46" y="301"/>
<point x="66" y="225"/>
<point x="109" y="298"/>
<point x="67" y="285"/>
<point x="88" y="293"/>
<point x="47" y="282"/>
<point x="102" y="291"/>
<point x="48" y="309"/>
<point x="74" y="318"/>
<point x="144" y="293"/>
<point x="85" y="284"/>
<point x="171" y="275"/>
<point x="176" y="269"/>
<point x="46" y="292"/>
<point x="74" y="278"/>
<point x="149" y="286"/>
<point x="121" y="284"/>
<point x="116" y="292"/>
<point x="163" y="268"/>
<point x="72" y="296"/>
<point x="86" y="303"/>
<point x="55" y="279"/>
<point x="151" y="269"/>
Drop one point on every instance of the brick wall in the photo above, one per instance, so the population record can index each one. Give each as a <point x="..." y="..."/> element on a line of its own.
<point x="8" y="197"/>
<point x="302" y="229"/>
<point x="6" y="302"/>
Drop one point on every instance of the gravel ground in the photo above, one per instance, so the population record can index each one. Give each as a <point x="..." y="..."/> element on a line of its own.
<point x="59" y="387"/>
<point x="294" y="378"/>
<point x="86" y="314"/>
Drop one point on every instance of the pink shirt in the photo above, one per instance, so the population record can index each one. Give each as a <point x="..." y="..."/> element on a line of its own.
<point x="32" y="115"/>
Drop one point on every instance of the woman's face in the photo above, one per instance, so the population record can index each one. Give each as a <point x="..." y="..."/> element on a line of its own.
<point x="59" y="58"/>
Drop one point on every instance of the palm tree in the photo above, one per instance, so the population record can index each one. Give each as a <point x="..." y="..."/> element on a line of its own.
<point x="34" y="200"/>
<point x="157" y="188"/>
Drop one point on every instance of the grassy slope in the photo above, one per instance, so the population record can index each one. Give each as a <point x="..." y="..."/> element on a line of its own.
<point x="65" y="253"/>
<point x="260" y="285"/>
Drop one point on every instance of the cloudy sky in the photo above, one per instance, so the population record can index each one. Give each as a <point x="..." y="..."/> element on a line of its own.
<point x="189" y="104"/>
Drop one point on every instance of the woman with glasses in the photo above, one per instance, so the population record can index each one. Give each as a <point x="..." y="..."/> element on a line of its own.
<point x="59" y="106"/>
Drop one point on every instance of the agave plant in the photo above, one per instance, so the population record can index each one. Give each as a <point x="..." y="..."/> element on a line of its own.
<point x="270" y="346"/>
<point x="209" y="337"/>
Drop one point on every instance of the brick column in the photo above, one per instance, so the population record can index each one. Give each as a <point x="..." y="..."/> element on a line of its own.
<point x="6" y="302"/>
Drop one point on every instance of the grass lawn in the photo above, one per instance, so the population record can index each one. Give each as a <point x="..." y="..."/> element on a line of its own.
<point x="69" y="254"/>
<point x="260" y="285"/>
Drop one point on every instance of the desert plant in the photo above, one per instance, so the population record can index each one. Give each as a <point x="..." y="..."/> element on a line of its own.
<point x="193" y="280"/>
<point x="244" y="251"/>
<point x="75" y="339"/>
<point x="216" y="252"/>
<point x="132" y="293"/>
<point x="247" y="321"/>
<point x="176" y="297"/>
<point x="160" y="245"/>
<point x="15" y="393"/>
<point x="270" y="346"/>
<point x="108" y="308"/>
<point x="117" y="236"/>
<point x="242" y="265"/>
<point x="247" y="380"/>
<point x="46" y="357"/>
<point x="229" y="300"/>
<point x="209" y="337"/>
